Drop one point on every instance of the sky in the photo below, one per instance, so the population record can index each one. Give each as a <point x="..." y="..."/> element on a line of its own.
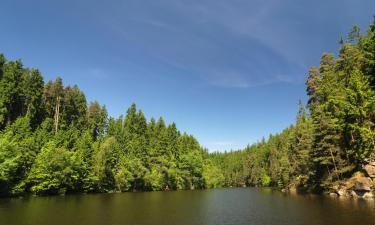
<point x="228" y="72"/>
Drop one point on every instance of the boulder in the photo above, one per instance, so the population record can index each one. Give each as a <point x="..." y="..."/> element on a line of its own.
<point x="368" y="195"/>
<point x="362" y="194"/>
<point x="370" y="170"/>
<point x="360" y="184"/>
<point x="357" y="187"/>
<point x="332" y="194"/>
<point x="356" y="194"/>
<point x="341" y="190"/>
<point x="362" y="187"/>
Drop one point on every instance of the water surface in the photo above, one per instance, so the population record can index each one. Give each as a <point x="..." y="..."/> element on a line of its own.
<point x="219" y="206"/>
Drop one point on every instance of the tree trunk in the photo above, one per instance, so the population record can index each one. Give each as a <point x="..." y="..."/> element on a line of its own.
<point x="57" y="112"/>
<point x="334" y="163"/>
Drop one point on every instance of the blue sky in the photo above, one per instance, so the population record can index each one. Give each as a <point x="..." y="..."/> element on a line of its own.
<point x="227" y="71"/>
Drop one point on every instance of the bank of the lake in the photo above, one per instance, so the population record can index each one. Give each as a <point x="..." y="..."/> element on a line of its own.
<point x="215" y="206"/>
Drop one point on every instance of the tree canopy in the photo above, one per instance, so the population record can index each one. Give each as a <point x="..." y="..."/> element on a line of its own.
<point x="332" y="136"/>
<point x="52" y="141"/>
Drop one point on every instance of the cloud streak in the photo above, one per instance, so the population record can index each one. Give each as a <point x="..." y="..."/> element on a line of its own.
<point x="225" y="44"/>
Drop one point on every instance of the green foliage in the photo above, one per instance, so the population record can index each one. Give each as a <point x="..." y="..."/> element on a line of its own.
<point x="10" y="159"/>
<point x="105" y="160"/>
<point x="212" y="175"/>
<point x="97" y="119"/>
<point x="53" y="171"/>
<point x="233" y="167"/>
<point x="266" y="180"/>
<point x="154" y="180"/>
<point x="53" y="142"/>
<point x="331" y="140"/>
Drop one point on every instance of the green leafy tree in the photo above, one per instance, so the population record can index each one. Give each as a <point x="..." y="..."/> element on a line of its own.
<point x="10" y="160"/>
<point x="52" y="172"/>
<point x="105" y="162"/>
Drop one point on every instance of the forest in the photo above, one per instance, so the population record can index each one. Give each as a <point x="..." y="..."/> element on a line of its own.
<point x="52" y="141"/>
<point x="333" y="135"/>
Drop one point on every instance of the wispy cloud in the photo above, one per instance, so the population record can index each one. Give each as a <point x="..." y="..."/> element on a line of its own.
<point x="250" y="43"/>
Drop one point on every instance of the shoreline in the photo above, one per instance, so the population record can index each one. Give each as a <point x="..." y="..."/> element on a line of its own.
<point x="285" y="191"/>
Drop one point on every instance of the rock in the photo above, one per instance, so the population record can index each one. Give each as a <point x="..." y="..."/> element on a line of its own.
<point x="336" y="187"/>
<point x="368" y="195"/>
<point x="360" y="187"/>
<point x="361" y="184"/>
<point x="355" y="194"/>
<point x="341" y="189"/>
<point x="332" y="194"/>
<point x="370" y="170"/>
<point x="343" y="192"/>
<point x="357" y="187"/>
<point x="362" y="194"/>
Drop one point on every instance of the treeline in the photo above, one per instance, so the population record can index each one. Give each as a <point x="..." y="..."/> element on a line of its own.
<point x="52" y="142"/>
<point x="332" y="136"/>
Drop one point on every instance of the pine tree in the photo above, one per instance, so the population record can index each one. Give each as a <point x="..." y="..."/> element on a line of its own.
<point x="33" y="86"/>
<point x="53" y="99"/>
<point x="97" y="119"/>
<point x="11" y="91"/>
<point x="303" y="169"/>
<point x="313" y="84"/>
<point x="74" y="107"/>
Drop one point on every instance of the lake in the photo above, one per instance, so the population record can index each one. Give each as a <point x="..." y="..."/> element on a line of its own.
<point x="217" y="206"/>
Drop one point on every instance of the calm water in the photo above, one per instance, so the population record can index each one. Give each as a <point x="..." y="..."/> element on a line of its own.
<point x="220" y="206"/>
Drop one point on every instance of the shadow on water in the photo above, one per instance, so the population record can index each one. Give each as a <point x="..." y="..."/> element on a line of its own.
<point x="218" y="206"/>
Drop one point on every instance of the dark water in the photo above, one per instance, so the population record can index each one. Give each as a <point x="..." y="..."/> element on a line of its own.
<point x="220" y="206"/>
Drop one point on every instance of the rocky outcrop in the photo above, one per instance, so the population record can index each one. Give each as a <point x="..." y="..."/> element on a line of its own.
<point x="369" y="167"/>
<point x="340" y="189"/>
<point x="361" y="185"/>
<point x="362" y="194"/>
<point x="358" y="187"/>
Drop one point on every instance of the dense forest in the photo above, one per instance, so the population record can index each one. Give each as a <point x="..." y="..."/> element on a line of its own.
<point x="52" y="141"/>
<point x="333" y="134"/>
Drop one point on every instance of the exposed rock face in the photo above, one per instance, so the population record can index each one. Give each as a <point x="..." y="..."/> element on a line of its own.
<point x="369" y="167"/>
<point x="360" y="187"/>
<point x="361" y="184"/>
<point x="332" y="194"/>
<point x="362" y="194"/>
<point x="341" y="190"/>
<point x="368" y="195"/>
